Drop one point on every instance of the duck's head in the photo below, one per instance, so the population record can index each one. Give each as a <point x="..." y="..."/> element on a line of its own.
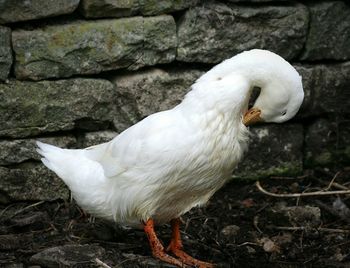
<point x="278" y="101"/>
<point x="281" y="93"/>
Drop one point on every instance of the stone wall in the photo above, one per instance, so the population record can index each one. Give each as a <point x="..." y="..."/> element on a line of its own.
<point x="76" y="73"/>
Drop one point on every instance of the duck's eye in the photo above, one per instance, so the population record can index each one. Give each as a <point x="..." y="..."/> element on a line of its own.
<point x="284" y="112"/>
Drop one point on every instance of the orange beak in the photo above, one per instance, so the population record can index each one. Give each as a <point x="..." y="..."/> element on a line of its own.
<point x="252" y="116"/>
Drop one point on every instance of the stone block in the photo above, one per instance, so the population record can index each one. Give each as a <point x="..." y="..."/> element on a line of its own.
<point x="327" y="143"/>
<point x="91" y="47"/>
<point x="21" y="10"/>
<point x="329" y="34"/>
<point x="20" y="150"/>
<point x="326" y="89"/>
<point x="216" y="31"/>
<point x="5" y="52"/>
<point x="30" y="182"/>
<point x="98" y="137"/>
<point x="125" y="8"/>
<point x="31" y="108"/>
<point x="274" y="150"/>
<point x="255" y="1"/>
<point x="149" y="91"/>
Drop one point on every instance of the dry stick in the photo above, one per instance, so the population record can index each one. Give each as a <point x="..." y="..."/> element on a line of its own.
<point x="301" y="228"/>
<point x="316" y="193"/>
<point x="101" y="263"/>
<point x="332" y="181"/>
<point x="28" y="207"/>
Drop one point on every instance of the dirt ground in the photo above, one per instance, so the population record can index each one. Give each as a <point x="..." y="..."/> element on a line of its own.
<point x="240" y="227"/>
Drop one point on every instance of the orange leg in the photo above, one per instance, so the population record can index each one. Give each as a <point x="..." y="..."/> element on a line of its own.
<point x="157" y="247"/>
<point x="176" y="247"/>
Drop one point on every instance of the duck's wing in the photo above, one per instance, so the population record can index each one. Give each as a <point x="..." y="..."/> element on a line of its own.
<point x="159" y="141"/>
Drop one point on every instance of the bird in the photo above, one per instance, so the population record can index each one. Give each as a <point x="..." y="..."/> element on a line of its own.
<point x="171" y="161"/>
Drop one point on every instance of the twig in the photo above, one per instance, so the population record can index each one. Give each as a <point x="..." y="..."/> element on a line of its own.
<point x="316" y="193"/>
<point x="256" y="223"/>
<point x="28" y="207"/>
<point x="302" y="228"/>
<point x="332" y="181"/>
<point x="4" y="210"/>
<point x="289" y="178"/>
<point x="101" y="263"/>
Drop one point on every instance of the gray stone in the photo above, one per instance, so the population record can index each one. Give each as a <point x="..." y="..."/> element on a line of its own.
<point x="255" y="1"/>
<point x="13" y="265"/>
<point x="326" y="89"/>
<point x="69" y="256"/>
<point x="153" y="7"/>
<point x="108" y="8"/>
<point x="14" y="241"/>
<point x="216" y="31"/>
<point x="274" y="150"/>
<point x="304" y="216"/>
<point x="21" y="10"/>
<point x="5" y="52"/>
<point x="36" y="220"/>
<point x="327" y="143"/>
<point x="307" y="73"/>
<point x="229" y="232"/>
<point x="150" y="91"/>
<point x="93" y="46"/>
<point x="331" y="92"/>
<point x="125" y="8"/>
<point x="98" y="137"/>
<point x="30" y="108"/>
<point x="329" y="34"/>
<point x="30" y="182"/>
<point x="20" y="150"/>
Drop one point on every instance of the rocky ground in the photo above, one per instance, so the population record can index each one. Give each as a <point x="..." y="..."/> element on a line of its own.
<point x="240" y="227"/>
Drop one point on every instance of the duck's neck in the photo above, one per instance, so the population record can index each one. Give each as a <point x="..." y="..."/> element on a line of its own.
<point x="227" y="87"/>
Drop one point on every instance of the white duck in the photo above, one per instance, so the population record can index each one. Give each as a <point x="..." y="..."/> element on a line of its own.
<point x="172" y="161"/>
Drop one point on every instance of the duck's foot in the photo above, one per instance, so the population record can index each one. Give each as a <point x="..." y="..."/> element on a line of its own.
<point x="189" y="260"/>
<point x="157" y="247"/>
<point x="175" y="247"/>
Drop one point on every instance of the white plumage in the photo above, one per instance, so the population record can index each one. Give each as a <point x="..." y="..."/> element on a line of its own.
<point x="174" y="160"/>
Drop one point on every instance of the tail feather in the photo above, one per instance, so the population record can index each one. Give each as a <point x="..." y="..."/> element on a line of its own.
<point x="71" y="165"/>
<point x="56" y="159"/>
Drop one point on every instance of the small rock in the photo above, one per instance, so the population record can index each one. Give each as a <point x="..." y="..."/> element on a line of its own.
<point x="230" y="231"/>
<point x="269" y="246"/>
<point x="68" y="256"/>
<point x="304" y="216"/>
<point x="14" y="241"/>
<point x="34" y="221"/>
<point x="341" y="207"/>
